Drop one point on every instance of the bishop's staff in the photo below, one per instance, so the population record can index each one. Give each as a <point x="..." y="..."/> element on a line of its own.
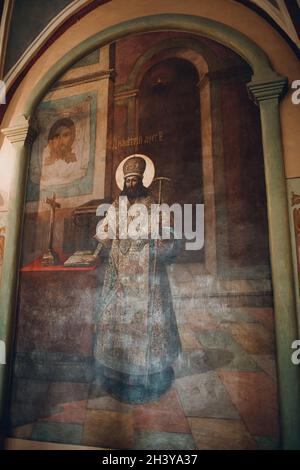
<point x="160" y="180"/>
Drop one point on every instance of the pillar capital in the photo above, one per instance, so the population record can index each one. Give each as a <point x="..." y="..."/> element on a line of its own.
<point x="126" y="94"/>
<point x="270" y="90"/>
<point x="22" y="132"/>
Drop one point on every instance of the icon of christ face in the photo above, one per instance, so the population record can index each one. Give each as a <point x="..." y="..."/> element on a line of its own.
<point x="60" y="141"/>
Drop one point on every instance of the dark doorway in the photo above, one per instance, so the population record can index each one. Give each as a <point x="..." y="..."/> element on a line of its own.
<point x="169" y="99"/>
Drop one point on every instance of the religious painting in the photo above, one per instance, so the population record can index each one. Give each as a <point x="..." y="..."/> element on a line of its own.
<point x="137" y="338"/>
<point x="145" y="314"/>
<point x="63" y="153"/>
<point x="3" y="217"/>
<point x="296" y="220"/>
<point x="296" y="214"/>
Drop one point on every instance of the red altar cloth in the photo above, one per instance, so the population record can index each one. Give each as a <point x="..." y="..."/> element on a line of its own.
<point x="36" y="265"/>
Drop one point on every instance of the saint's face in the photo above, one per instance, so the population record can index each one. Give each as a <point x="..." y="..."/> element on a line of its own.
<point x="131" y="181"/>
<point x="65" y="138"/>
<point x="131" y="184"/>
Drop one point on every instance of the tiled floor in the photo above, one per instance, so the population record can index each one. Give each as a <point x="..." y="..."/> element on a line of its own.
<point x="224" y="395"/>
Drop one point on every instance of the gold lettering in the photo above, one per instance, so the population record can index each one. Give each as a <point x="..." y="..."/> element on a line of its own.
<point x="134" y="141"/>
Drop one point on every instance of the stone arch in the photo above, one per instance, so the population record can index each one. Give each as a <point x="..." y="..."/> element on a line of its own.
<point x="204" y="61"/>
<point x="266" y="88"/>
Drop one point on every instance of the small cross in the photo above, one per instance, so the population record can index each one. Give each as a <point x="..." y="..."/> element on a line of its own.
<point x="52" y="202"/>
<point x="54" y="205"/>
<point x="50" y="257"/>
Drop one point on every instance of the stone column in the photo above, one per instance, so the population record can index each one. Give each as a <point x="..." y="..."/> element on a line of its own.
<point x="267" y="95"/>
<point x="21" y="136"/>
<point x="105" y="116"/>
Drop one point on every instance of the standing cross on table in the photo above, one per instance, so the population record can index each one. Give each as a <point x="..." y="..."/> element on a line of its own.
<point x="50" y="257"/>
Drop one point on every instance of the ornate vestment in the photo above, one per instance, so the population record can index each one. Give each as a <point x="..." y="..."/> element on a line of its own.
<point x="137" y="332"/>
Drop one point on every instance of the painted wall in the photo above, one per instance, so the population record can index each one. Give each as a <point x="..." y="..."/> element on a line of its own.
<point x="218" y="324"/>
<point x="234" y="15"/>
<point x="281" y="57"/>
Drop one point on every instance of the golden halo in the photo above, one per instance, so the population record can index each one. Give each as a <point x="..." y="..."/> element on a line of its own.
<point x="148" y="174"/>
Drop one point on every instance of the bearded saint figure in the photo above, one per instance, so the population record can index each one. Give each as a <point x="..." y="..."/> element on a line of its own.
<point x="136" y="339"/>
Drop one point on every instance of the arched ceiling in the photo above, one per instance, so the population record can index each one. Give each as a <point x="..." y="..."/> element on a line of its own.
<point x="37" y="16"/>
<point x="282" y="12"/>
<point x="27" y="25"/>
